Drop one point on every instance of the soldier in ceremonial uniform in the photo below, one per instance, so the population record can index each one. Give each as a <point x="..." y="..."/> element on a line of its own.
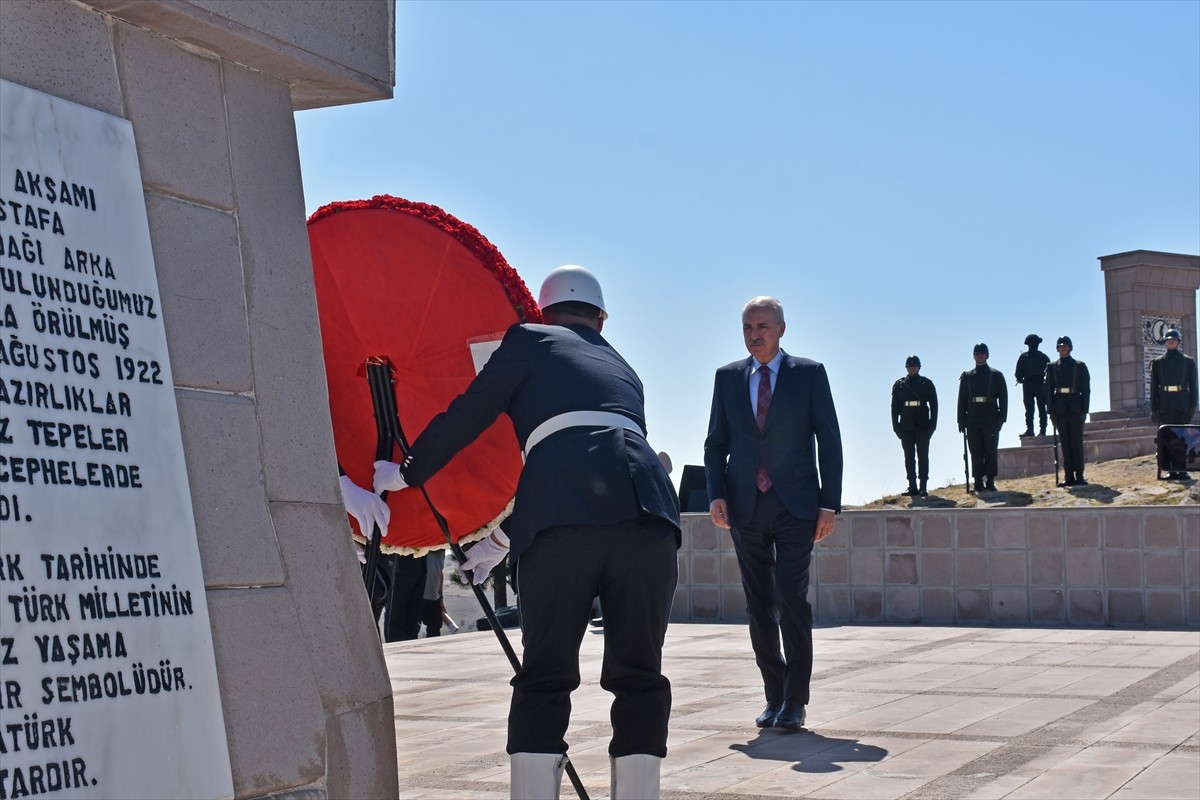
<point x="914" y="419"/>
<point x="982" y="411"/>
<point x="1068" y="392"/>
<point x="1031" y="374"/>
<point x="1173" y="392"/>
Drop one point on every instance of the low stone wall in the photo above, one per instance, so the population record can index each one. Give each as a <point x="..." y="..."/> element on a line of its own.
<point x="1053" y="566"/>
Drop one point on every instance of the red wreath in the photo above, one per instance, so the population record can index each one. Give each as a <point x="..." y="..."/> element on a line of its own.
<point x="411" y="283"/>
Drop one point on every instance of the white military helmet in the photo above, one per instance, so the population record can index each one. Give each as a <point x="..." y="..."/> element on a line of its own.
<point x="571" y="282"/>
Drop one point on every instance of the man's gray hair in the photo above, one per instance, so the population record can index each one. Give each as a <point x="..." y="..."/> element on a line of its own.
<point x="763" y="301"/>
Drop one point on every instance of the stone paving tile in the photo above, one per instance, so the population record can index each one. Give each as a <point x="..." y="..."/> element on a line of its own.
<point x="897" y="712"/>
<point x="1172" y="777"/>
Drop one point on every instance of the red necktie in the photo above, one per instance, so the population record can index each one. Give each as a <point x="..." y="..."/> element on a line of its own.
<point x="760" y="416"/>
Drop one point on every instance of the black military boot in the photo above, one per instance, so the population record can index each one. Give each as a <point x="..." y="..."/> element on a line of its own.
<point x="911" y="490"/>
<point x="990" y="485"/>
<point x="979" y="484"/>
<point x="1028" y="432"/>
<point x="924" y="492"/>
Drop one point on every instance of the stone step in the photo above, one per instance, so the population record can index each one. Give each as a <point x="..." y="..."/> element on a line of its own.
<point x="1038" y="459"/>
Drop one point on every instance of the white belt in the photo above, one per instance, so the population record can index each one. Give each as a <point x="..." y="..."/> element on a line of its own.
<point x="1065" y="390"/>
<point x="979" y="399"/>
<point x="911" y="403"/>
<point x="1172" y="388"/>
<point x="575" y="419"/>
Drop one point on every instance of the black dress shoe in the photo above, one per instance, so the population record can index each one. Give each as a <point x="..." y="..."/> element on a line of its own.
<point x="990" y="485"/>
<point x="767" y="718"/>
<point x="791" y="716"/>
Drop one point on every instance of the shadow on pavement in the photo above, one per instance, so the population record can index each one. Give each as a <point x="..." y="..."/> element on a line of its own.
<point x="812" y="752"/>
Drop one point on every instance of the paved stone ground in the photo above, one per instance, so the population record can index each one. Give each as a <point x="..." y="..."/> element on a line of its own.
<point x="898" y="712"/>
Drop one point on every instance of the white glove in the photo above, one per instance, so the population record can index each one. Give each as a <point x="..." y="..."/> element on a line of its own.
<point x="388" y="477"/>
<point x="485" y="555"/>
<point x="367" y="509"/>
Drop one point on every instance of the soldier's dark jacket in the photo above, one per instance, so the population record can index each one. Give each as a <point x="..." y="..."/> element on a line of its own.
<point x="1031" y="366"/>
<point x="914" y="404"/>
<point x="982" y="397"/>
<point x="1068" y="387"/>
<point x="1173" y="387"/>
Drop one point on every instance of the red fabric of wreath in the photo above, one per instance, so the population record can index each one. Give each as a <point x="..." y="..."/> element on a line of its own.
<point x="411" y="283"/>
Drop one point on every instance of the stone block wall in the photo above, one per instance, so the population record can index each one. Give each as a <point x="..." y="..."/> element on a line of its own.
<point x="1057" y="567"/>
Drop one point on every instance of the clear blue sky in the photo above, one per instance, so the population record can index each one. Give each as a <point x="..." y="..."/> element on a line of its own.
<point x="904" y="177"/>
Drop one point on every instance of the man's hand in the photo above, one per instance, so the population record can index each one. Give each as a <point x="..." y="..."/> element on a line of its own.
<point x="719" y="513"/>
<point x="826" y="519"/>
<point x="367" y="509"/>
<point x="486" y="554"/>
<point x="388" y="477"/>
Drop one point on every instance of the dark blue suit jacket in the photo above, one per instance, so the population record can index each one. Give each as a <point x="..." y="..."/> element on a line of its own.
<point x="578" y="476"/>
<point x="801" y="445"/>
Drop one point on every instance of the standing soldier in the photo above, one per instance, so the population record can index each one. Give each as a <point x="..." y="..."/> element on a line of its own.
<point x="982" y="411"/>
<point x="1068" y="392"/>
<point x="1173" y="392"/>
<point x="1031" y="374"/>
<point x="914" y="419"/>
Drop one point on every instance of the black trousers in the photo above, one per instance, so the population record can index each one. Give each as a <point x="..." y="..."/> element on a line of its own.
<point x="405" y="597"/>
<point x="916" y="452"/>
<point x="983" y="440"/>
<point x="774" y="553"/>
<point x="1070" y="438"/>
<point x="633" y="568"/>
<point x="1033" y="393"/>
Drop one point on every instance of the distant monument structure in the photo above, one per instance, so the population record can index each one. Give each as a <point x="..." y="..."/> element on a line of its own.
<point x="1147" y="292"/>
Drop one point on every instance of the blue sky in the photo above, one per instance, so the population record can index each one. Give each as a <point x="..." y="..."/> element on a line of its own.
<point x="904" y="177"/>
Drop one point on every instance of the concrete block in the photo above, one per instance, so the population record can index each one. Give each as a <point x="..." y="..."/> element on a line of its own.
<point x="177" y="103"/>
<point x="974" y="605"/>
<point x="357" y="742"/>
<point x="203" y="296"/>
<point x="867" y="533"/>
<point x="730" y="571"/>
<point x="1126" y="607"/>
<point x="1193" y="608"/>
<point x="1046" y="607"/>
<point x="703" y="536"/>
<point x="706" y="603"/>
<point x="938" y="606"/>
<point x="681" y="606"/>
<point x="1122" y="529"/>
<point x="733" y="604"/>
<point x="685" y="567"/>
<point x="970" y="531"/>
<point x="1191" y="569"/>
<point x="270" y="695"/>
<point x="1164" y="607"/>
<point x="1045" y="531"/>
<point x="935" y="531"/>
<point x="331" y="606"/>
<point x="971" y="568"/>
<point x="899" y="531"/>
<point x="233" y="524"/>
<point x="903" y="604"/>
<point x="832" y="568"/>
<point x="1123" y="568"/>
<point x="936" y="569"/>
<point x="1163" y="569"/>
<point x="1083" y="529"/>
<point x="1085" y="607"/>
<point x="1010" y="606"/>
<point x="902" y="568"/>
<point x="833" y="605"/>
<point x="868" y="605"/>
<point x="866" y="568"/>
<point x="1007" y="531"/>
<point x="1008" y="568"/>
<point x="1163" y="529"/>
<point x="1084" y="568"/>
<point x="1191" y="533"/>
<point x="1046" y="568"/>
<point x="705" y="569"/>
<point x="80" y="69"/>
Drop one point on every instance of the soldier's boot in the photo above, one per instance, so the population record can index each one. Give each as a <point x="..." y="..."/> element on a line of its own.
<point x="924" y="492"/>
<point x="979" y="484"/>
<point x="1028" y="432"/>
<point x="1042" y="428"/>
<point x="912" y="488"/>
<point x="991" y="484"/>
<point x="536" y="776"/>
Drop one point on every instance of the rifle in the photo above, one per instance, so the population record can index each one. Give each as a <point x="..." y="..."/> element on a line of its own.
<point x="966" y="464"/>
<point x="383" y="400"/>
<point x="1054" y="430"/>
<point x="383" y="450"/>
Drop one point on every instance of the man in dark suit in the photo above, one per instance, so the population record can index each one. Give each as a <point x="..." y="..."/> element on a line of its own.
<point x="773" y="464"/>
<point x="1068" y="394"/>
<point x="595" y="515"/>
